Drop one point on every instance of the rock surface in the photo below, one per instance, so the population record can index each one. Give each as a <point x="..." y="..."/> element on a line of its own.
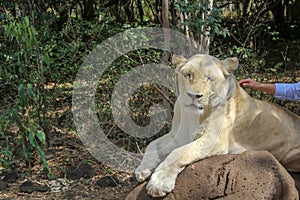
<point x="108" y="181"/>
<point x="29" y="187"/>
<point x="250" y="175"/>
<point x="83" y="170"/>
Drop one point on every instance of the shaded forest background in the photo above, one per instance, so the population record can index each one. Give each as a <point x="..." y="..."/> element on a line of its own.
<point x="43" y="44"/>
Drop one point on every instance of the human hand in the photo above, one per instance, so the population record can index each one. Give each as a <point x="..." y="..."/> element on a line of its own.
<point x="250" y="83"/>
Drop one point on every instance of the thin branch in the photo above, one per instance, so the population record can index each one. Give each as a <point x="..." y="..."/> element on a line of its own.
<point x="164" y="95"/>
<point x="252" y="27"/>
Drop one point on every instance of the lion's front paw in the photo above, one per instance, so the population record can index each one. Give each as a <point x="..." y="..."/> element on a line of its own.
<point x="161" y="183"/>
<point x="142" y="175"/>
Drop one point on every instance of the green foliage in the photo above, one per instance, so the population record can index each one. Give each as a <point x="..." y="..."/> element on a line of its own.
<point x="5" y="157"/>
<point x="27" y="113"/>
<point x="6" y="154"/>
<point x="195" y="11"/>
<point x="272" y="33"/>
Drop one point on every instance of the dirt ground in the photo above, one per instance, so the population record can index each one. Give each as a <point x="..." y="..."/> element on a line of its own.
<point x="77" y="190"/>
<point x="77" y="175"/>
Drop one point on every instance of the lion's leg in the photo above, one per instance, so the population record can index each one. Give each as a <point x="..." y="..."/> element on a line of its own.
<point x="155" y="152"/>
<point x="163" y="179"/>
<point x="158" y="149"/>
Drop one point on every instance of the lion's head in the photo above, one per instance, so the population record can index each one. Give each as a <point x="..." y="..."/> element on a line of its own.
<point x="205" y="80"/>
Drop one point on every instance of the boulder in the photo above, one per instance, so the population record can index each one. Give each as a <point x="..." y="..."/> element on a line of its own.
<point x="250" y="175"/>
<point x="30" y="187"/>
<point x="82" y="170"/>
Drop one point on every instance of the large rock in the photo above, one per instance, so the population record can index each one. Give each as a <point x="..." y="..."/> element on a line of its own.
<point x="251" y="175"/>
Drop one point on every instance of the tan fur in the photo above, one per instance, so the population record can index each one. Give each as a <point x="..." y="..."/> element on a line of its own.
<point x="214" y="116"/>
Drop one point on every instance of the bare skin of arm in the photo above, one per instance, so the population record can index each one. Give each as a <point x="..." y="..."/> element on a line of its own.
<point x="267" y="88"/>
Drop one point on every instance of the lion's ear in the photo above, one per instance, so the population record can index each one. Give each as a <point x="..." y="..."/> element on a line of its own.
<point x="230" y="64"/>
<point x="176" y="59"/>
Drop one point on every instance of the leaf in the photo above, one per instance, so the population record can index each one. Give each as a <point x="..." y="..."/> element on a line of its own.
<point x="46" y="59"/>
<point x="29" y="91"/>
<point x="26" y="21"/>
<point x="41" y="136"/>
<point x="7" y="30"/>
<point x="31" y="137"/>
<point x="21" y="89"/>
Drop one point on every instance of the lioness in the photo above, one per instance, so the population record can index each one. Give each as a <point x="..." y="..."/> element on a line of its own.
<point x="213" y="115"/>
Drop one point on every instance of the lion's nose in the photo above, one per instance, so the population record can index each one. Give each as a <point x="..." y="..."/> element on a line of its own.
<point x="198" y="96"/>
<point x="195" y="95"/>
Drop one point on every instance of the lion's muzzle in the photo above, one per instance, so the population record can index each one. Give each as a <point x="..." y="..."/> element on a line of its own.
<point x="196" y="100"/>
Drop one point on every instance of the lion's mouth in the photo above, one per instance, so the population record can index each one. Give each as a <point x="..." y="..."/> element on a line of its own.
<point x="195" y="105"/>
<point x="200" y="107"/>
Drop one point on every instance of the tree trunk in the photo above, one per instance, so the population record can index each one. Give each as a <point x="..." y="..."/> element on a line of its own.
<point x="166" y="26"/>
<point x="141" y="11"/>
<point x="205" y="38"/>
<point x="165" y="10"/>
<point x="88" y="10"/>
<point x="277" y="9"/>
<point x="63" y="17"/>
<point x="158" y="11"/>
<point x="293" y="14"/>
<point x="128" y="6"/>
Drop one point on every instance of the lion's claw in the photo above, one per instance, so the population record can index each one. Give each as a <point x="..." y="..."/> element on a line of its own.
<point x="142" y="175"/>
<point x="157" y="192"/>
<point x="160" y="184"/>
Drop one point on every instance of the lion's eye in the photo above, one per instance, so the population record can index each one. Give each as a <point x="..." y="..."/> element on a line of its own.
<point x="188" y="76"/>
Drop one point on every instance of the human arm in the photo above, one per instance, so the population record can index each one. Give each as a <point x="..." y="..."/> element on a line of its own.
<point x="290" y="91"/>
<point x="268" y="88"/>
